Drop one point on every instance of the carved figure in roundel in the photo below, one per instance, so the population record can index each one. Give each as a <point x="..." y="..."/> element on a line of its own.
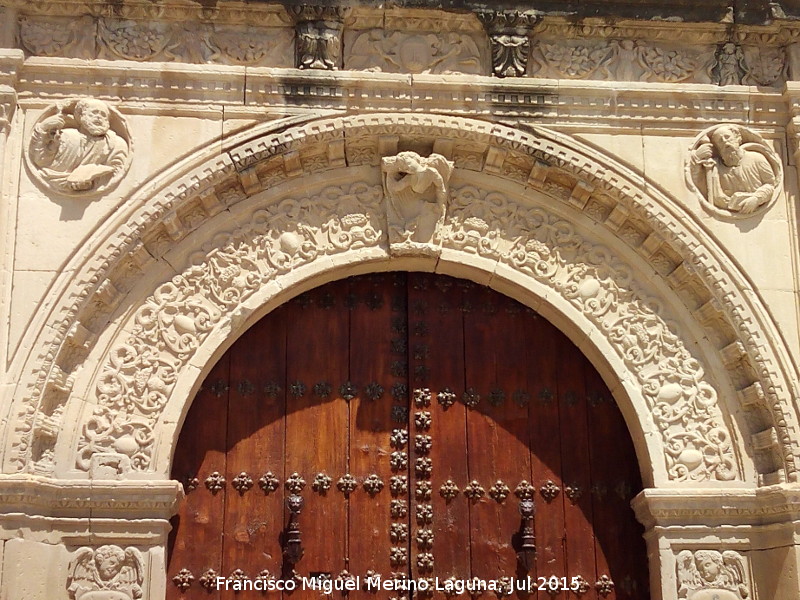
<point x="81" y="147"/>
<point x="711" y="575"/>
<point x="416" y="192"/>
<point x="733" y="170"/>
<point x="107" y="573"/>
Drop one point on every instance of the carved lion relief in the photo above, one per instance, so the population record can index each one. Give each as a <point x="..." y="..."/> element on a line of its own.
<point x="416" y="197"/>
<point x="712" y="575"/>
<point x="107" y="573"/>
<point x="80" y="148"/>
<point x="733" y="170"/>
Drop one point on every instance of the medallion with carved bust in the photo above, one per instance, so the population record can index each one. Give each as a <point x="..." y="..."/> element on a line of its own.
<point x="733" y="170"/>
<point x="80" y="147"/>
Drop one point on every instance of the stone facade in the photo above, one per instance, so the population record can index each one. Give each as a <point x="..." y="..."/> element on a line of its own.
<point x="171" y="172"/>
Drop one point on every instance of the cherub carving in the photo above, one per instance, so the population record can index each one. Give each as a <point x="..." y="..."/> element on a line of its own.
<point x="711" y="575"/>
<point x="416" y="192"/>
<point x="107" y="573"/>
<point x="76" y="150"/>
<point x="734" y="169"/>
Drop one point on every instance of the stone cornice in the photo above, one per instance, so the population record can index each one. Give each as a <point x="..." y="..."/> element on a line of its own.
<point x="599" y="102"/>
<point x="44" y="497"/>
<point x="715" y="507"/>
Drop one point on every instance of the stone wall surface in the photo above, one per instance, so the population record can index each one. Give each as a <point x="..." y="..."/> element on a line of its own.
<point x="172" y="171"/>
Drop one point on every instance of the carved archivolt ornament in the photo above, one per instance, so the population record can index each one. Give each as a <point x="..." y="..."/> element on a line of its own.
<point x="712" y="575"/>
<point x="138" y="379"/>
<point x="80" y="148"/>
<point x="107" y="573"/>
<point x="733" y="170"/>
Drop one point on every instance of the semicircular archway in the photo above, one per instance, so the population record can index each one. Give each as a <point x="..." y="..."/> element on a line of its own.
<point x="653" y="302"/>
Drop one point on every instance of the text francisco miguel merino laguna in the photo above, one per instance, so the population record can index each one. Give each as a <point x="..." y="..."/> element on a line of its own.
<point x="373" y="583"/>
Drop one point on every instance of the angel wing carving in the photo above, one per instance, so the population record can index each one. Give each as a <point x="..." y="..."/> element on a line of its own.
<point x="106" y="573"/>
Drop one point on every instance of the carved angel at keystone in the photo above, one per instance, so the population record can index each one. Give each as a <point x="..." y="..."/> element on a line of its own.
<point x="107" y="573"/>
<point x="416" y="190"/>
<point x="711" y="575"/>
<point x="737" y="172"/>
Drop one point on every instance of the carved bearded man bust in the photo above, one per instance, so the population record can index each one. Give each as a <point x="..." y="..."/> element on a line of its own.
<point x="732" y="174"/>
<point x="80" y="152"/>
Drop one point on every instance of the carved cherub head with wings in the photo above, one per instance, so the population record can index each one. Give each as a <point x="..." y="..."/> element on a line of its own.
<point x="107" y="573"/>
<point x="709" y="570"/>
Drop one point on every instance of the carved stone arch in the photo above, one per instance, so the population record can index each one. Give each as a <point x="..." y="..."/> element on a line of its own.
<point x="550" y="177"/>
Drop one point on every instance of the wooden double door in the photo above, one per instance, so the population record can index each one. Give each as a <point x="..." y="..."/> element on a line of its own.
<point x="433" y="430"/>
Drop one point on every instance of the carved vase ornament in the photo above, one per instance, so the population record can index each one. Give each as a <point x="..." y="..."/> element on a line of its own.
<point x="733" y="170"/>
<point x="107" y="573"/>
<point x="80" y="148"/>
<point x="416" y="189"/>
<point x="712" y="575"/>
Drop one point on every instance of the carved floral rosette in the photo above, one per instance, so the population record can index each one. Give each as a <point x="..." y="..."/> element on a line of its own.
<point x="697" y="176"/>
<point x="141" y="373"/>
<point x="58" y="181"/>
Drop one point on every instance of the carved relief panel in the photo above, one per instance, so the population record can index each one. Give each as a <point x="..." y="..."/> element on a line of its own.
<point x="733" y="171"/>
<point x="106" y="573"/>
<point x="413" y="52"/>
<point x="80" y="148"/>
<point x="712" y="575"/>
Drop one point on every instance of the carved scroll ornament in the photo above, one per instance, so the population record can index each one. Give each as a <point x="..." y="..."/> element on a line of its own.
<point x="107" y="573"/>
<point x="141" y="372"/>
<point x="80" y="148"/>
<point x="733" y="170"/>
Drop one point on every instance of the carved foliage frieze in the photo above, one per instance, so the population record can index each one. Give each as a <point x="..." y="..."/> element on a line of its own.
<point x="711" y="574"/>
<point x="140" y="373"/>
<point x="682" y="402"/>
<point x="733" y="171"/>
<point x="80" y="147"/>
<point x="400" y="52"/>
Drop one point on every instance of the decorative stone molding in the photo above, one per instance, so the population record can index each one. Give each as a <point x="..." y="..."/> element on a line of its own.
<point x="416" y="191"/>
<point x="106" y="573"/>
<point x="8" y="105"/>
<point x="81" y="147"/>
<point x="569" y="173"/>
<point x="710" y="574"/>
<point x="733" y="171"/>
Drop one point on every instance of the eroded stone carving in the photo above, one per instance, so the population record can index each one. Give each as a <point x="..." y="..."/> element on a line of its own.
<point x="107" y="573"/>
<point x="319" y="35"/>
<point x="734" y="170"/>
<point x="683" y="404"/>
<point x="416" y="195"/>
<point x="53" y="37"/>
<point x="730" y="65"/>
<point x="140" y="373"/>
<point x="399" y="52"/>
<point x="80" y="147"/>
<point x="712" y="575"/>
<point x="134" y="40"/>
<point x="764" y="66"/>
<point x="248" y="46"/>
<point x="509" y="35"/>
